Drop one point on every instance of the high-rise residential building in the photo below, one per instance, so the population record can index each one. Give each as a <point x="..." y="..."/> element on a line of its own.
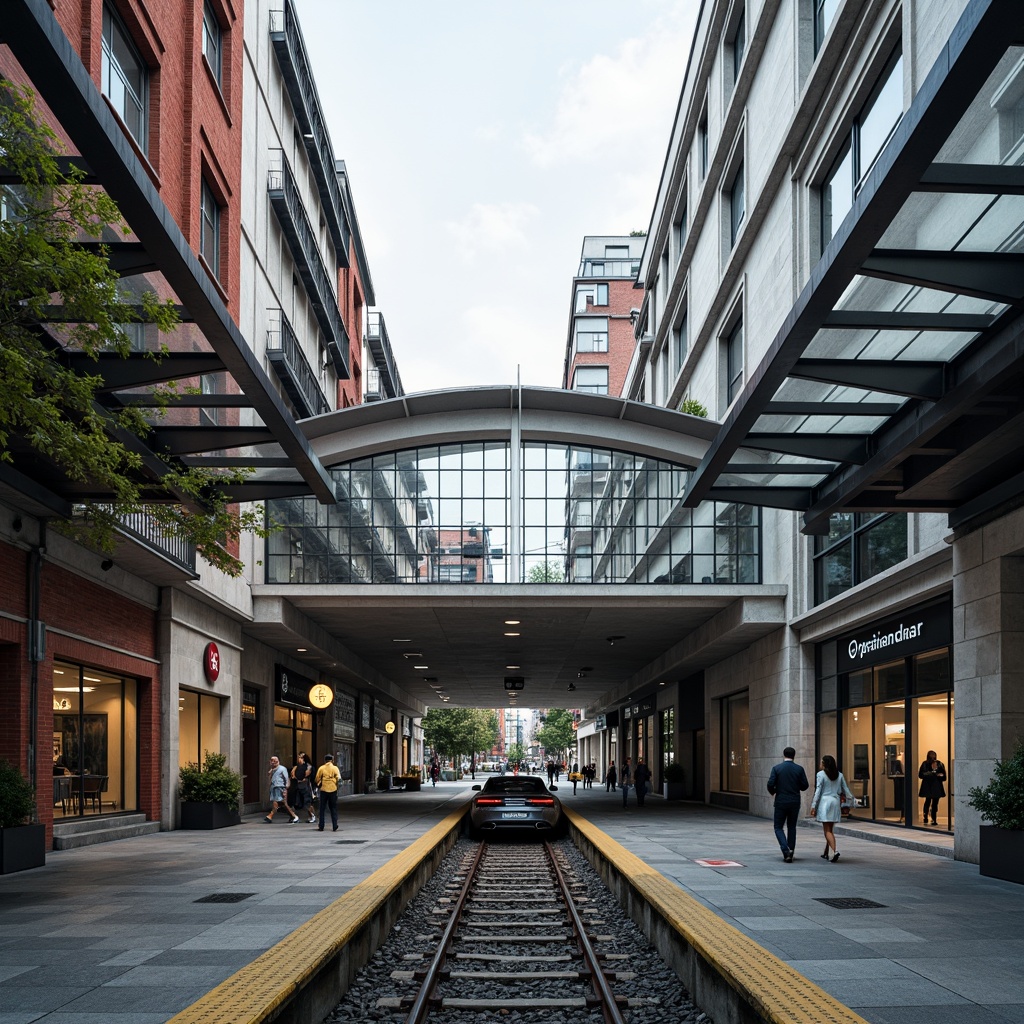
<point x="605" y="299"/>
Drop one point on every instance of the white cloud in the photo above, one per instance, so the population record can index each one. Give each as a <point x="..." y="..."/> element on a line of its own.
<point x="616" y="108"/>
<point x="493" y="227"/>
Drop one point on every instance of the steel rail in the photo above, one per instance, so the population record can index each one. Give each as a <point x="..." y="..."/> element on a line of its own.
<point x="421" y="1004"/>
<point x="602" y="989"/>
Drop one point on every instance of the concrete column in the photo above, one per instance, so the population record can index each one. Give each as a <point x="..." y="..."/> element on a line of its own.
<point x="988" y="661"/>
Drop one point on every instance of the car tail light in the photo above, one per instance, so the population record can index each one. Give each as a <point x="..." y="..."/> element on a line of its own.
<point x="542" y="801"/>
<point x="489" y="801"/>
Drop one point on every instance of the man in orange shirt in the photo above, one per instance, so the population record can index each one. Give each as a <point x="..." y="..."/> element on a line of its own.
<point x="327" y="779"/>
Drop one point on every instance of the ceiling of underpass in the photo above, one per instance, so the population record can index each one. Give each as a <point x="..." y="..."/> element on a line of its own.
<point x="609" y="643"/>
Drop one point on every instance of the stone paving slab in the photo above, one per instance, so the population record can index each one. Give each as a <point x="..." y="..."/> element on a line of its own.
<point x="942" y="949"/>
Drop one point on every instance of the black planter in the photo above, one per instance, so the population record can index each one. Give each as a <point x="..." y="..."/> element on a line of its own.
<point x="22" y="847"/>
<point x="208" y="815"/>
<point x="1002" y="853"/>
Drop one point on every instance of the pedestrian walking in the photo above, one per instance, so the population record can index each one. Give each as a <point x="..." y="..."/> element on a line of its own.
<point x="302" y="779"/>
<point x="932" y="774"/>
<point x="610" y="778"/>
<point x="327" y="779"/>
<point x="278" y="776"/>
<point x="574" y="777"/>
<point x="641" y="779"/>
<point x="786" y="782"/>
<point x="830" y="792"/>
<point x="626" y="780"/>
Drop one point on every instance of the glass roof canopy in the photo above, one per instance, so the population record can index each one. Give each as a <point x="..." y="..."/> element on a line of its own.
<point x="897" y="381"/>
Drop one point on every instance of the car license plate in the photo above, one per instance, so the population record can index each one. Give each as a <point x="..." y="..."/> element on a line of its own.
<point x="514" y="814"/>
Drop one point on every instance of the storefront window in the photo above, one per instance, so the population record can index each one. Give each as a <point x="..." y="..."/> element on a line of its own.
<point x="198" y="727"/>
<point x="95" y="741"/>
<point x="932" y="723"/>
<point x="668" y="737"/>
<point x="293" y="731"/>
<point x="890" y="760"/>
<point x="855" y="763"/>
<point x="736" y="737"/>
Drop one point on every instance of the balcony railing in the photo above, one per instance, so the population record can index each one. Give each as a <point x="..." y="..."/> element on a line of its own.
<point x="302" y="241"/>
<point x="292" y="367"/>
<point x="286" y="37"/>
<point x="143" y="529"/>
<point x="379" y="344"/>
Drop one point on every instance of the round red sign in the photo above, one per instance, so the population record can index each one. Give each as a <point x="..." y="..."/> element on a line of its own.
<point x="211" y="662"/>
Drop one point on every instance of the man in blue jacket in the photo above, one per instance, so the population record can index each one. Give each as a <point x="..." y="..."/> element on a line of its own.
<point x="786" y="782"/>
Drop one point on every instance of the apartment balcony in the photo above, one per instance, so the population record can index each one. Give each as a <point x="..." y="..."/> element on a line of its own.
<point x="302" y="241"/>
<point x="286" y="37"/>
<point x="298" y="378"/>
<point x="379" y="344"/>
<point x="141" y="547"/>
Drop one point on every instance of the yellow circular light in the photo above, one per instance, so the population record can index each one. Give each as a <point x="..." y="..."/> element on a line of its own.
<point x="321" y="696"/>
<point x="389" y="727"/>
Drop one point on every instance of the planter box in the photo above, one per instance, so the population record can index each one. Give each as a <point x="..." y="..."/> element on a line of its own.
<point x="22" y="847"/>
<point x="203" y="816"/>
<point x="1001" y="853"/>
<point x="412" y="783"/>
<point x="674" y="790"/>
<point x="383" y="783"/>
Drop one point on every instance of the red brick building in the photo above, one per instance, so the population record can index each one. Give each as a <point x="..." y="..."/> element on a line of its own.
<point x="604" y="302"/>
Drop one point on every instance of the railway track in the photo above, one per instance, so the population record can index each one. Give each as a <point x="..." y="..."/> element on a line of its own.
<point x="514" y="932"/>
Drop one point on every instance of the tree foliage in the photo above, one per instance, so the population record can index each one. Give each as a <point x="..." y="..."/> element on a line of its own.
<point x="452" y="732"/>
<point x="546" y="572"/>
<point x="17" y="801"/>
<point x="694" y="408"/>
<point x="557" y="735"/>
<point x="54" y="408"/>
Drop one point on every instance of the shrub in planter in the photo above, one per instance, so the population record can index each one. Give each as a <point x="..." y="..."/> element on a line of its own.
<point x="22" y="845"/>
<point x="209" y="793"/>
<point x="1001" y="802"/>
<point x="674" y="777"/>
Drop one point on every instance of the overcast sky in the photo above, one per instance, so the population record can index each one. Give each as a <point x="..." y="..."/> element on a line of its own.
<point x="483" y="140"/>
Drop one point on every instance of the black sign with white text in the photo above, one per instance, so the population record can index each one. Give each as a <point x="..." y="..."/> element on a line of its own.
<point x="915" y="631"/>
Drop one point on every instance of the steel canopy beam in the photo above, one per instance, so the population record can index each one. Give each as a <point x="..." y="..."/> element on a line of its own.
<point x="995" y="276"/>
<point x="959" y="72"/>
<point x="978" y="179"/>
<point x="142" y="369"/>
<point x="31" y="31"/>
<point x="828" y="447"/>
<point x="893" y="320"/>
<point x="826" y="408"/>
<point x="909" y="377"/>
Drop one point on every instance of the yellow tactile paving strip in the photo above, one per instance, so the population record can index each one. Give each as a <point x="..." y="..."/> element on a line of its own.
<point x="777" y="993"/>
<point x="769" y="985"/>
<point x="259" y="990"/>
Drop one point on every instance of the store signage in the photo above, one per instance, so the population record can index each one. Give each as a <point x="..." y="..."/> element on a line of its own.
<point x="211" y="662"/>
<point x="389" y="727"/>
<point x="292" y="688"/>
<point x="601" y="722"/>
<point x="915" y="631"/>
<point x="321" y="696"/>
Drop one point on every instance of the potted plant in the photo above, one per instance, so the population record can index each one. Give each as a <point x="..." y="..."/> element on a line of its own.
<point x="673" y="778"/>
<point x="209" y="794"/>
<point x="22" y="844"/>
<point x="412" y="778"/>
<point x="383" y="776"/>
<point x="1001" y="802"/>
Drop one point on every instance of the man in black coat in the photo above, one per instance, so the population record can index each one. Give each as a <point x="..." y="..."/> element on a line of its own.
<point x="786" y="782"/>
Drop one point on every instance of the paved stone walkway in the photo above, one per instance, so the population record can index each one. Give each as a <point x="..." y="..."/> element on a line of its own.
<point x="114" y="934"/>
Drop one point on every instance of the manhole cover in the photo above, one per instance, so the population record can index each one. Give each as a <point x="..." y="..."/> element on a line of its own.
<point x="850" y="903"/>
<point x="225" y="897"/>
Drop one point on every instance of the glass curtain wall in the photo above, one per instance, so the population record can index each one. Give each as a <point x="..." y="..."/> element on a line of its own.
<point x="442" y="514"/>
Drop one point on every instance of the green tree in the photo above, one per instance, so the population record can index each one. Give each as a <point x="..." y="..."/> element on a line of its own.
<point x="53" y="408"/>
<point x="516" y="753"/>
<point x="557" y="735"/>
<point x="546" y="572"/>
<point x="453" y="732"/>
<point x="694" y="408"/>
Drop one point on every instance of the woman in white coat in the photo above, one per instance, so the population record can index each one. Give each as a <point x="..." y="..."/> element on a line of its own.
<point x="826" y="807"/>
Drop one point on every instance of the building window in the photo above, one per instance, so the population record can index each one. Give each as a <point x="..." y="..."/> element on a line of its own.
<point x="737" y="206"/>
<point x="209" y="242"/>
<point x="702" y="146"/>
<point x="592" y="334"/>
<point x="590" y="295"/>
<point x="736" y="743"/>
<point x="739" y="45"/>
<point x="859" y="545"/>
<point x="679" y="228"/>
<point x="824" y="12"/>
<point x="592" y="379"/>
<point x="733" y="358"/>
<point x="679" y="343"/>
<point x="870" y="132"/>
<point x="616" y="252"/>
<point x="213" y="41"/>
<point x="125" y="78"/>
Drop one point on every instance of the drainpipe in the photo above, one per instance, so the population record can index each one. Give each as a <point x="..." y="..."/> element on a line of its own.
<point x="36" y="653"/>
